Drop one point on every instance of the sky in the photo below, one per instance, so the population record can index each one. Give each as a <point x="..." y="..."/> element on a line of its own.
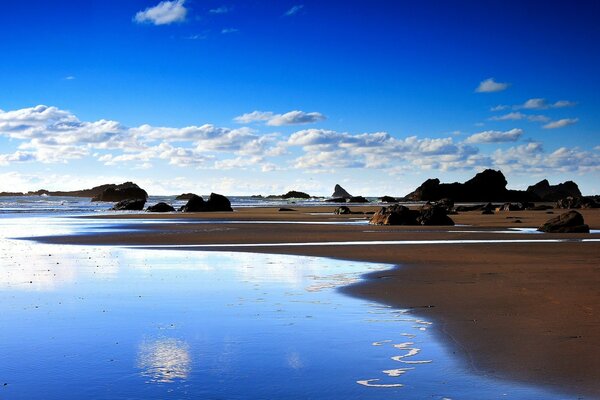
<point x="246" y="97"/>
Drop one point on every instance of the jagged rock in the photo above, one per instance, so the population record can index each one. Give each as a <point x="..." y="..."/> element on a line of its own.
<point x="489" y="185"/>
<point x="215" y="202"/>
<point x="357" y="199"/>
<point x="340" y="192"/>
<point x="434" y="214"/>
<point x="160" y="208"/>
<point x="577" y="202"/>
<point x="395" y="215"/>
<point x="125" y="191"/>
<point x="388" y="199"/>
<point x="569" y="222"/>
<point x="130" y="205"/>
<point x="336" y="200"/>
<point x="185" y="196"/>
<point x="546" y="192"/>
<point x="292" y="194"/>
<point x="342" y="210"/>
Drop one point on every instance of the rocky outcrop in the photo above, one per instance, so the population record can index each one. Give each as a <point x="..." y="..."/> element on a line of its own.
<point x="336" y="200"/>
<point x="160" y="208"/>
<point x="11" y="194"/>
<point x="284" y="209"/>
<point x="340" y="192"/>
<point x="185" y="196"/>
<point x="357" y="199"/>
<point x="577" y="202"/>
<point x="434" y="214"/>
<point x="388" y="199"/>
<point x="215" y="202"/>
<point x="130" y="205"/>
<point x="546" y="192"/>
<point x="343" y="210"/>
<point x="124" y="191"/>
<point x="489" y="185"/>
<point x="569" y="222"/>
<point x="293" y="194"/>
<point x="396" y="214"/>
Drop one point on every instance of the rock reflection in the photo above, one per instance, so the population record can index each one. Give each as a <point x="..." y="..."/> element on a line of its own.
<point x="164" y="360"/>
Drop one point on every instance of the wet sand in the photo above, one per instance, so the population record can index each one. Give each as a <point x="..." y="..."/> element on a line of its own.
<point x="529" y="312"/>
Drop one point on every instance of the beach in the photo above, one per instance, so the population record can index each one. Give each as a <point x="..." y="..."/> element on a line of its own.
<point x="508" y="302"/>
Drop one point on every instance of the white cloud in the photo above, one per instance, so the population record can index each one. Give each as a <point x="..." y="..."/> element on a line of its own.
<point x="290" y="118"/>
<point x="226" y="31"/>
<point x="561" y="123"/>
<point x="517" y="115"/>
<point x="69" y="78"/>
<point x="294" y="10"/>
<point x="495" y="136"/>
<point x="16" y="157"/>
<point x="164" y="13"/>
<point x="220" y="10"/>
<point x="499" y="107"/>
<point x="542" y="104"/>
<point x="490" y="85"/>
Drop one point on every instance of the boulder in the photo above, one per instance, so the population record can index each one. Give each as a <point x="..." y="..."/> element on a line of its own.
<point x="342" y="210"/>
<point x="292" y="194"/>
<point x="569" y="222"/>
<point x="215" y="202"/>
<point x="447" y="204"/>
<point x="434" y="214"/>
<point x="577" y="202"/>
<point x="283" y="209"/>
<point x="160" y="208"/>
<point x="395" y="215"/>
<point x="336" y="200"/>
<point x="125" y="191"/>
<point x="357" y="199"/>
<point x="185" y="196"/>
<point x="340" y="192"/>
<point x="388" y="199"/>
<point x="547" y="192"/>
<point x="130" y="205"/>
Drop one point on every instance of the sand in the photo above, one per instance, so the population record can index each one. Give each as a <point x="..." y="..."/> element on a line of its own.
<point x="528" y="312"/>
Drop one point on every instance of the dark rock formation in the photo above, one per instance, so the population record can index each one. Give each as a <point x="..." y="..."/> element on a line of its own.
<point x="434" y="214"/>
<point x="577" y="202"/>
<point x="292" y="194"/>
<point x="10" y="194"/>
<point x="357" y="199"/>
<point x="545" y="192"/>
<point x="395" y="215"/>
<point x="488" y="185"/>
<point x="340" y="192"/>
<point x="286" y="209"/>
<point x="125" y="191"/>
<point x="130" y="205"/>
<point x="185" y="196"/>
<point x="160" y="208"/>
<point x="336" y="200"/>
<point x="215" y="202"/>
<point x="569" y="222"/>
<point x="342" y="210"/>
<point x="447" y="204"/>
<point x="388" y="199"/>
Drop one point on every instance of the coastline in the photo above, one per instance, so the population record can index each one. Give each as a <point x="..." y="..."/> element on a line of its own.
<point x="522" y="311"/>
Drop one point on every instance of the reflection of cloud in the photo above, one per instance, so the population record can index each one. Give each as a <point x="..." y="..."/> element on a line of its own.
<point x="294" y="361"/>
<point x="164" y="360"/>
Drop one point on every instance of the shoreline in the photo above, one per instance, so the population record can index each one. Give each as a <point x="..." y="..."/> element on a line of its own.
<point x="527" y="312"/>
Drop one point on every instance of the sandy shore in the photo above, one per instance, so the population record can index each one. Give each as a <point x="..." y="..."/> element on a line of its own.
<point x="529" y="312"/>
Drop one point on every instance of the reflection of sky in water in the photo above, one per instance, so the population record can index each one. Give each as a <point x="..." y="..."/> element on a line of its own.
<point x="102" y="322"/>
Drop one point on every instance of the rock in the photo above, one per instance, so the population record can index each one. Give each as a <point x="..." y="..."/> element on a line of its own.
<point x="295" y="195"/>
<point x="185" y="196"/>
<point x="447" y="204"/>
<point x="357" y="199"/>
<point x="434" y="215"/>
<point x="160" y="207"/>
<point x="343" y="210"/>
<point x="130" y="205"/>
<point x="286" y="209"/>
<point x="546" y="192"/>
<point x="512" y="207"/>
<point x="388" y="199"/>
<point x="577" y="202"/>
<point x="395" y="215"/>
<point x="11" y="194"/>
<point x="489" y="185"/>
<point x="340" y="192"/>
<point x="541" y="207"/>
<point x="215" y="202"/>
<point x="125" y="191"/>
<point x="569" y="222"/>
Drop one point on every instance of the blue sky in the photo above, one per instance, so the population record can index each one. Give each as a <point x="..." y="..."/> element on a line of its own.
<point x="244" y="97"/>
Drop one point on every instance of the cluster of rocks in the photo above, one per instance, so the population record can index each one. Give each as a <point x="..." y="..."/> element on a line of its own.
<point x="340" y="195"/>
<point x="396" y="214"/>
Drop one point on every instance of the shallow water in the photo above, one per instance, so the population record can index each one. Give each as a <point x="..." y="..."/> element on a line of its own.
<point x="105" y="322"/>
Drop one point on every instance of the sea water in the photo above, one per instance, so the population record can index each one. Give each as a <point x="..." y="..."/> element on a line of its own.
<point x="85" y="322"/>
